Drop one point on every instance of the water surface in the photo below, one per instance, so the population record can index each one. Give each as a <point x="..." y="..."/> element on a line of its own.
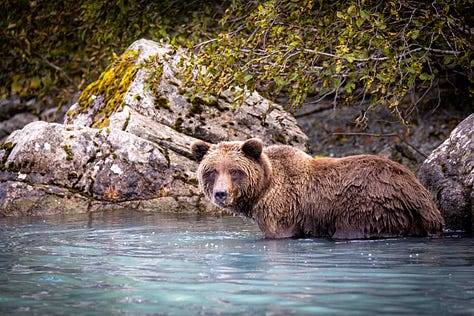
<point x="132" y="263"/>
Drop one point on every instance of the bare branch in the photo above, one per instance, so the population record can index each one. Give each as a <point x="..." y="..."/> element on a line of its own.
<point x="383" y="135"/>
<point x="59" y="69"/>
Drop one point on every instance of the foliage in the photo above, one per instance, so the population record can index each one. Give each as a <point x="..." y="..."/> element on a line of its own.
<point x="393" y="53"/>
<point x="390" y="53"/>
<point x="51" y="49"/>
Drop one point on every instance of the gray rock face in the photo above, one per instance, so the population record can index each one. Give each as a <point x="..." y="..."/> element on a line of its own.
<point x="125" y="144"/>
<point x="58" y="168"/>
<point x="448" y="173"/>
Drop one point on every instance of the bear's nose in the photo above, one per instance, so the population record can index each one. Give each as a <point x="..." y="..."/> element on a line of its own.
<point x="220" y="196"/>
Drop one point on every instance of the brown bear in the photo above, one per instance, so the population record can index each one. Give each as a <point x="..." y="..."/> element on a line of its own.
<point x="290" y="194"/>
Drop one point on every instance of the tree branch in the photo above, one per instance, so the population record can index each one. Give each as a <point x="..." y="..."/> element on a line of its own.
<point x="59" y="69"/>
<point x="383" y="135"/>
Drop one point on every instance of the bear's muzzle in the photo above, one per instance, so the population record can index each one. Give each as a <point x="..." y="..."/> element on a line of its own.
<point x="220" y="196"/>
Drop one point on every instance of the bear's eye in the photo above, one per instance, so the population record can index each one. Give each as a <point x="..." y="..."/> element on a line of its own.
<point x="236" y="174"/>
<point x="210" y="175"/>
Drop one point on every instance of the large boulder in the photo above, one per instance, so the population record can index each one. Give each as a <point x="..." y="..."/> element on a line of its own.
<point x="448" y="173"/>
<point x="55" y="168"/>
<point x="125" y="143"/>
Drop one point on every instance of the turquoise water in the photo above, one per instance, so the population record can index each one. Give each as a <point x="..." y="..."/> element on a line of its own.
<point x="131" y="263"/>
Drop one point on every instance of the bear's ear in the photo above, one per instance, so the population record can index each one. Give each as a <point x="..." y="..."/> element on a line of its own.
<point x="199" y="149"/>
<point x="253" y="147"/>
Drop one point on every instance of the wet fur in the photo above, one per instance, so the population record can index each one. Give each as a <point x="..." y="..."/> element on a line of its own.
<point x="290" y="194"/>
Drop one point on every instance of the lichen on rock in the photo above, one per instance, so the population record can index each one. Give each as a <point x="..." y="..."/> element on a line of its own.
<point x="448" y="173"/>
<point x="112" y="86"/>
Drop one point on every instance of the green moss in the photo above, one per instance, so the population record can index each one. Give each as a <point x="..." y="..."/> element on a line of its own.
<point x="125" y="124"/>
<point x="196" y="107"/>
<point x="198" y="103"/>
<point x="7" y="147"/>
<point x="72" y="176"/>
<point x="112" y="84"/>
<point x="102" y="124"/>
<point x="444" y="169"/>
<point x="178" y="125"/>
<point x="10" y="167"/>
<point x="69" y="153"/>
<point x="280" y="138"/>
<point x="161" y="102"/>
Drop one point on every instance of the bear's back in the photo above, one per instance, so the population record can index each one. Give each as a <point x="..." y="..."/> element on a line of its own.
<point x="288" y="158"/>
<point x="363" y="196"/>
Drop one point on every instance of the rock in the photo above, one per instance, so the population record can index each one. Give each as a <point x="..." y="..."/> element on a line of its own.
<point x="125" y="143"/>
<point x="157" y="96"/>
<point x="52" y="167"/>
<point x="15" y="122"/>
<point x="333" y="132"/>
<point x="448" y="173"/>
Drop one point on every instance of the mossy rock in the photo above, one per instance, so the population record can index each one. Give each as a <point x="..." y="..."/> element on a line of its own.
<point x="113" y="85"/>
<point x="7" y="148"/>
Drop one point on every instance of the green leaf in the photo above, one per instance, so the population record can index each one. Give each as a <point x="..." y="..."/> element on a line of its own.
<point x="350" y="87"/>
<point x="415" y="34"/>
<point x="449" y="59"/>
<point x="352" y="10"/>
<point x="247" y="78"/>
<point x="364" y="14"/>
<point x="279" y="81"/>
<point x="349" y="58"/>
<point x="424" y="76"/>
<point x="336" y="83"/>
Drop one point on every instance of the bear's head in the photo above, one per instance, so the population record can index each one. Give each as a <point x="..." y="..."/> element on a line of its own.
<point x="232" y="175"/>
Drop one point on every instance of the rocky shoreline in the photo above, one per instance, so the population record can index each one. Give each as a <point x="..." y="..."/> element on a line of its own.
<point x="125" y="142"/>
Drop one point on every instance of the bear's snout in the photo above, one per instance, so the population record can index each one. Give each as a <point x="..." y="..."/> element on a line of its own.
<point x="221" y="191"/>
<point x="220" y="196"/>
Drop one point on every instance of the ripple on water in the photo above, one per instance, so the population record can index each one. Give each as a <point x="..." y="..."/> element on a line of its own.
<point x="135" y="263"/>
